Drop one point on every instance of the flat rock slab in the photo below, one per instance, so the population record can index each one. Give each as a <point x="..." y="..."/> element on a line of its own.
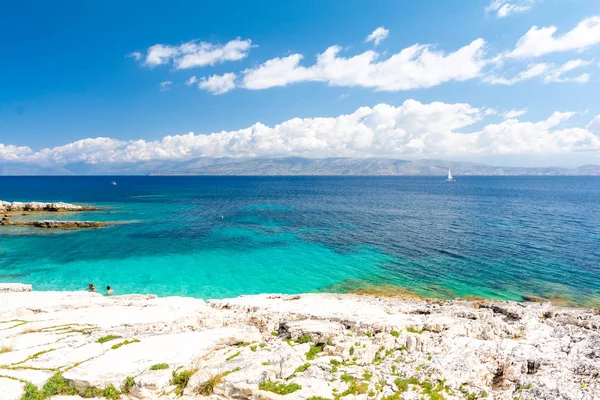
<point x="11" y="389"/>
<point x="29" y="375"/>
<point x="180" y="349"/>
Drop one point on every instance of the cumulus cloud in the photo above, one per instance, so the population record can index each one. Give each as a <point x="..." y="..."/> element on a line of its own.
<point x="378" y="35"/>
<point x="218" y="84"/>
<point x="411" y="130"/>
<point x="417" y="66"/>
<point x="191" y="81"/>
<point x="540" y="41"/>
<point x="14" y="153"/>
<point x="514" y="113"/>
<point x="504" y="8"/>
<point x="196" y="53"/>
<point x="593" y="126"/>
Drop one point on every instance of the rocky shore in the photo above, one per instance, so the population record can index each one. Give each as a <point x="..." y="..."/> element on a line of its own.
<point x="311" y="346"/>
<point x="7" y="209"/>
<point x="35" y="206"/>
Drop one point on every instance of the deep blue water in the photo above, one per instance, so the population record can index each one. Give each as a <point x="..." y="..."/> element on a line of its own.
<point x="498" y="237"/>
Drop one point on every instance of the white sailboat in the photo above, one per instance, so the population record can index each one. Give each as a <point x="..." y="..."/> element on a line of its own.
<point x="450" y="178"/>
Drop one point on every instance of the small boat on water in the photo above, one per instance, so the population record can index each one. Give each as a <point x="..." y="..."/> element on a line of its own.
<point x="450" y="178"/>
<point x="114" y="183"/>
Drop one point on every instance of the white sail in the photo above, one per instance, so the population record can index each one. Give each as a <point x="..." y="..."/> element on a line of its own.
<point x="450" y="179"/>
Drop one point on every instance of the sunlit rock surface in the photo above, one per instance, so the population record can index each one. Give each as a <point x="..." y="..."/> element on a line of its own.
<point x="313" y="345"/>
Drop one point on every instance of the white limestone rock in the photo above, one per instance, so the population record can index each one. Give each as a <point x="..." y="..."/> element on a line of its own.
<point x="11" y="389"/>
<point x="14" y="287"/>
<point x="502" y="349"/>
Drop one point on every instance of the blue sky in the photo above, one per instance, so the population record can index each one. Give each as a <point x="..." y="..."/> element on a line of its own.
<point x="68" y="74"/>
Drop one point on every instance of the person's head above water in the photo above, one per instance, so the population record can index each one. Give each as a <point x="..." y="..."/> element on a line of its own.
<point x="108" y="288"/>
<point x="91" y="287"/>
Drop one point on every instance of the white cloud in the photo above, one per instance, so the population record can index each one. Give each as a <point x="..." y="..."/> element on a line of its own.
<point x="593" y="126"/>
<point x="191" y="81"/>
<point x="166" y="85"/>
<point x="514" y="113"/>
<point x="550" y="72"/>
<point x="539" y="41"/>
<point x="417" y="66"/>
<point x="136" y="55"/>
<point x="411" y="130"/>
<point x="378" y="35"/>
<point x="532" y="71"/>
<point x="556" y="75"/>
<point x="197" y="54"/>
<point x="218" y="84"/>
<point x="14" y="153"/>
<point x="504" y="8"/>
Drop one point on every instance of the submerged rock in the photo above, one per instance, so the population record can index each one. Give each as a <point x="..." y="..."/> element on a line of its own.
<point x="308" y="346"/>
<point x="54" y="224"/>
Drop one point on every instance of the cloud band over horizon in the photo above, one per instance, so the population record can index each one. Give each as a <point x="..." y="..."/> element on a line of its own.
<point x="411" y="130"/>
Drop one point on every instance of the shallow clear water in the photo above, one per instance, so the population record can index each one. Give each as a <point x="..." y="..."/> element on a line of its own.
<point x="499" y="237"/>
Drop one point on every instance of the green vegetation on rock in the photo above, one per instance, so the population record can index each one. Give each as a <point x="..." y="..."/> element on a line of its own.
<point x="313" y="351"/>
<point x="180" y="379"/>
<point x="279" y="387"/>
<point x="157" y="367"/>
<point x="57" y="385"/>
<point x="108" y="338"/>
<point x="116" y="346"/>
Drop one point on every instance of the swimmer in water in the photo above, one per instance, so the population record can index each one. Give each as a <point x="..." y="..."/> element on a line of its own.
<point x="91" y="287"/>
<point x="109" y="291"/>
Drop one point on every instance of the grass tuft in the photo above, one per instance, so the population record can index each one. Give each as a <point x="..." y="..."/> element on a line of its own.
<point x="313" y="351"/>
<point x="208" y="387"/>
<point x="128" y="384"/>
<point x="107" y="338"/>
<point x="279" y="387"/>
<point x="181" y="378"/>
<point x="304" y="339"/>
<point x="116" y="346"/>
<point x="157" y="367"/>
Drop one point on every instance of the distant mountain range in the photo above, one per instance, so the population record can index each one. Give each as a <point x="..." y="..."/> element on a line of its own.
<point x="291" y="166"/>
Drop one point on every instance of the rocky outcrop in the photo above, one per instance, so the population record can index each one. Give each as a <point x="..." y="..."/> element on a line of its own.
<point x="54" y="224"/>
<point x="312" y="346"/>
<point x="14" y="287"/>
<point x="35" y="206"/>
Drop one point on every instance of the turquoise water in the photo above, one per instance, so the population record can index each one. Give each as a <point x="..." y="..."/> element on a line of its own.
<point x="210" y="237"/>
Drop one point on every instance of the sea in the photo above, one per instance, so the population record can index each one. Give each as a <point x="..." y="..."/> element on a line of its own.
<point x="216" y="237"/>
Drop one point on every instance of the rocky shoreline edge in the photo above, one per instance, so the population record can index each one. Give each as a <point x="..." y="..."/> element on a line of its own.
<point x="25" y="208"/>
<point x="70" y="345"/>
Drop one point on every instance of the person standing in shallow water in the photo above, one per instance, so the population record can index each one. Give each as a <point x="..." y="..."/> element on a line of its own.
<point x="109" y="291"/>
<point x="91" y="287"/>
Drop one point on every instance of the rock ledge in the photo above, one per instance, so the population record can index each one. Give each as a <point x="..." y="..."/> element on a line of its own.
<point x="314" y="346"/>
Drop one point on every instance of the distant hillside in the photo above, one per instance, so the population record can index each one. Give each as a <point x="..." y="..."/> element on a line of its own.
<point x="289" y="166"/>
<point x="354" y="166"/>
